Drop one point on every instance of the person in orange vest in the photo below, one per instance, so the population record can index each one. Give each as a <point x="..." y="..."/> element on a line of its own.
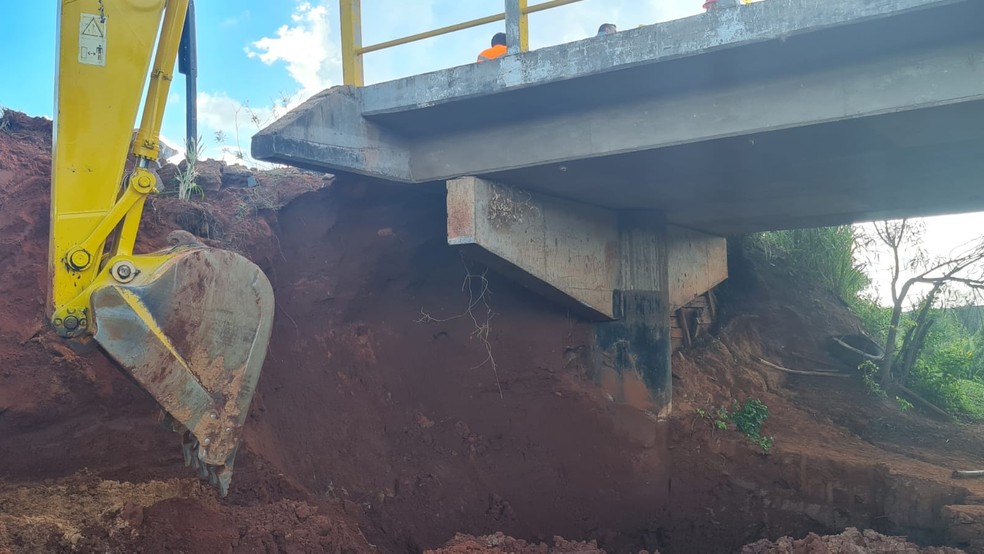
<point x="497" y="50"/>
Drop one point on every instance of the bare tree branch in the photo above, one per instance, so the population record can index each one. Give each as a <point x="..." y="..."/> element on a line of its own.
<point x="902" y="234"/>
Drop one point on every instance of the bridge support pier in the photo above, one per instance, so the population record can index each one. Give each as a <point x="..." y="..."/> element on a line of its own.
<point x="625" y="270"/>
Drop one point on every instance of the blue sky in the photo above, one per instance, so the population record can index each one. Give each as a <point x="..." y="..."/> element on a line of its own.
<point x="254" y="54"/>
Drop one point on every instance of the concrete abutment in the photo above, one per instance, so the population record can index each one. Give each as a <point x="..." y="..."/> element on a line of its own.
<point x="627" y="270"/>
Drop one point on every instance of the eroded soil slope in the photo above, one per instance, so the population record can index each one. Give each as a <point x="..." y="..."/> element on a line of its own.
<point x="391" y="416"/>
<point x="83" y="464"/>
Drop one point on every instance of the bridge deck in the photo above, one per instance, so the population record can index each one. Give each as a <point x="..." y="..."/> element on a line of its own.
<point x="783" y="113"/>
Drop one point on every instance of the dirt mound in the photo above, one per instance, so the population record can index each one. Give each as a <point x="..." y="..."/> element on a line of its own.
<point x="501" y="543"/>
<point x="389" y="414"/>
<point x="851" y="541"/>
<point x="85" y="513"/>
<point x="65" y="408"/>
<point x="60" y="516"/>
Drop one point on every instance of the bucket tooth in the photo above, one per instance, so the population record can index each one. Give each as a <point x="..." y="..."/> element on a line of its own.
<point x="224" y="476"/>
<point x="188" y="451"/>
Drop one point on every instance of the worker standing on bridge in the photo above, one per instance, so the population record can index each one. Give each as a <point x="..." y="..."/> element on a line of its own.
<point x="606" y="29"/>
<point x="497" y="50"/>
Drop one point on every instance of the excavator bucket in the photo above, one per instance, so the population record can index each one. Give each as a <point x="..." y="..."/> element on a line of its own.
<point x="191" y="324"/>
<point x="193" y="330"/>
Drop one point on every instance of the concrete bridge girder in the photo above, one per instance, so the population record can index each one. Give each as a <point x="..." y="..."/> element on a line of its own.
<point x="626" y="270"/>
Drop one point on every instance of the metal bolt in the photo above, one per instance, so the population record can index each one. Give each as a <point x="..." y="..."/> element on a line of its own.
<point x="124" y="271"/>
<point x="207" y="442"/>
<point x="71" y="323"/>
<point x="80" y="259"/>
<point x="214" y="416"/>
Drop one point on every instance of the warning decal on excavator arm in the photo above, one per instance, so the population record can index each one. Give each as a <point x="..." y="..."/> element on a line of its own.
<point x="92" y="39"/>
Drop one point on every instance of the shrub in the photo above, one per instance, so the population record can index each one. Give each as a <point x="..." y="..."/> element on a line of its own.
<point x="748" y="419"/>
<point x="824" y="255"/>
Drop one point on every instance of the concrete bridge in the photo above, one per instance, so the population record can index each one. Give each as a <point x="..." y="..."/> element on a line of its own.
<point x="605" y="172"/>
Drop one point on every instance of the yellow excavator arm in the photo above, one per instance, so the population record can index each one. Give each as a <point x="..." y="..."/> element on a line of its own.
<point x="190" y="324"/>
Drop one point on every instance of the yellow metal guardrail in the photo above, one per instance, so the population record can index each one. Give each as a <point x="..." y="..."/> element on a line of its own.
<point x="350" y="14"/>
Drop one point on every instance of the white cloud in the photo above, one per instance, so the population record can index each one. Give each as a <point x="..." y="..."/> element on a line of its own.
<point x="175" y="145"/>
<point x="306" y="47"/>
<point x="222" y="117"/>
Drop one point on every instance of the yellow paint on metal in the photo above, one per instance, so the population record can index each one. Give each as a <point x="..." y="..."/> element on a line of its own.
<point x="96" y="107"/>
<point x="147" y="144"/>
<point x="524" y="27"/>
<point x="352" y="49"/>
<point x="128" y="232"/>
<point x="80" y="304"/>
<point x="104" y="53"/>
<point x="141" y="311"/>
<point x="350" y="17"/>
<point x="550" y="5"/>
<point x="133" y="195"/>
<point x="433" y="33"/>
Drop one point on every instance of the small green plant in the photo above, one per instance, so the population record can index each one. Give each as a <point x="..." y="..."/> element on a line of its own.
<point x="869" y="376"/>
<point x="748" y="419"/>
<point x="187" y="187"/>
<point x="904" y="405"/>
<point x="765" y="443"/>
<point x="721" y="421"/>
<point x="718" y="422"/>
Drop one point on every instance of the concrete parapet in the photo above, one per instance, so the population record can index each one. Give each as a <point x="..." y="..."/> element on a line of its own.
<point x="316" y="131"/>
